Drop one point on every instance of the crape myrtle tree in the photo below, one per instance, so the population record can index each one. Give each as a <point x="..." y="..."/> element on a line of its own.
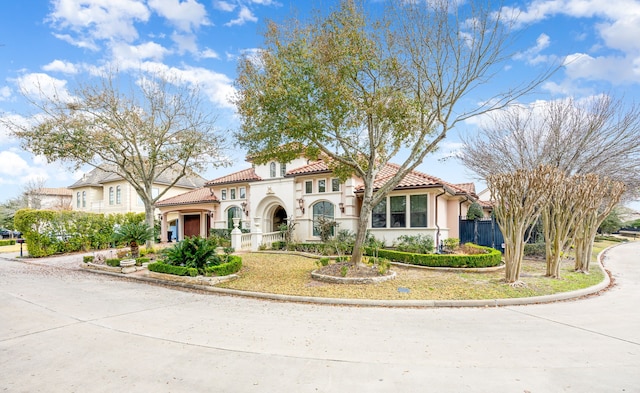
<point x="593" y="141"/>
<point x="359" y="89"/>
<point x="519" y="197"/>
<point x="158" y="127"/>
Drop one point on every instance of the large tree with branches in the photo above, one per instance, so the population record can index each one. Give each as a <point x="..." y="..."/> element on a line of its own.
<point x="593" y="142"/>
<point x="360" y="90"/>
<point x="159" y="126"/>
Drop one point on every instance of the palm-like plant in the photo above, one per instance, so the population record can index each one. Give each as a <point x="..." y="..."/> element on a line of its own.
<point x="133" y="234"/>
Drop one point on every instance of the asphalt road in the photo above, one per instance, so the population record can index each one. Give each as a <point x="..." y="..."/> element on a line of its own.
<point x="65" y="330"/>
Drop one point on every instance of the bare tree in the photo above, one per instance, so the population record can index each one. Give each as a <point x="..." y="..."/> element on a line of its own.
<point x="519" y="197"/>
<point x="361" y="90"/>
<point x="596" y="137"/>
<point x="158" y="128"/>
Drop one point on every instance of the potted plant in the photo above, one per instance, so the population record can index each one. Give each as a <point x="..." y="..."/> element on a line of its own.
<point x="133" y="234"/>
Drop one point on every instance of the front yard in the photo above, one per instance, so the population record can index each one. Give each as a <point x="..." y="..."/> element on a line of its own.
<point x="291" y="275"/>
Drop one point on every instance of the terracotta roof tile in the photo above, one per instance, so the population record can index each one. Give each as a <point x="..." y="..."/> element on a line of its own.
<point x="311" y="168"/>
<point x="468" y="187"/>
<point x="246" y="175"/>
<point x="413" y="179"/>
<point x="200" y="195"/>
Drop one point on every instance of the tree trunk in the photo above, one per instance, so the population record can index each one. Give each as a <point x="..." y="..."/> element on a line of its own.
<point x="361" y="232"/>
<point x="150" y="219"/>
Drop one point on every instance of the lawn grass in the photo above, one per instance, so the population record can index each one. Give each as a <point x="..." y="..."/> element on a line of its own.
<point x="12" y="248"/>
<point x="291" y="275"/>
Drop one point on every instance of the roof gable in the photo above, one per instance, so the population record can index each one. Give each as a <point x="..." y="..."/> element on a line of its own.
<point x="243" y="176"/>
<point x="200" y="195"/>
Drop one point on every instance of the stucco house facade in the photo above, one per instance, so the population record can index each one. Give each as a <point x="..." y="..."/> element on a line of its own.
<point x="102" y="191"/>
<point x="50" y="199"/>
<point x="265" y="196"/>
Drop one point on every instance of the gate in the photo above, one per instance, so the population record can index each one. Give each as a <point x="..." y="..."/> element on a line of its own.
<point x="484" y="232"/>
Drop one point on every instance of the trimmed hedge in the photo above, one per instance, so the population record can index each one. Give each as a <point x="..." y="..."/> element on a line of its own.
<point x="87" y="258"/>
<point x="160" y="267"/>
<point x="7" y="242"/>
<point x="113" y="262"/>
<point x="224" y="269"/>
<point x="141" y="260"/>
<point x="535" y="250"/>
<point x="493" y="257"/>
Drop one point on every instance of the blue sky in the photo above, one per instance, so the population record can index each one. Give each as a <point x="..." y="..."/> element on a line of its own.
<point x="59" y="42"/>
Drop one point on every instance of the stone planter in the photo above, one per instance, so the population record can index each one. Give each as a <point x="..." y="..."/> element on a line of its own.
<point x="127" y="262"/>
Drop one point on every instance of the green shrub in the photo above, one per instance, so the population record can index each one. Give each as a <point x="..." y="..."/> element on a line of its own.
<point x="160" y="267"/>
<point x="419" y="244"/>
<point x="87" y="258"/>
<point x="115" y="262"/>
<point x="141" y="260"/>
<point x="489" y="258"/>
<point x="451" y="244"/>
<point x="323" y="261"/>
<point x="536" y="250"/>
<point x="601" y="238"/>
<point x="7" y="242"/>
<point x="233" y="265"/>
<point x="279" y="245"/>
<point x="194" y="252"/>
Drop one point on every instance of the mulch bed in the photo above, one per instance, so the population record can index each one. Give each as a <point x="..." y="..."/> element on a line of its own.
<point x="335" y="270"/>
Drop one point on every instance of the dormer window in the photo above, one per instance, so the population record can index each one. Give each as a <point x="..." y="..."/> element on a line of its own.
<point x="272" y="169"/>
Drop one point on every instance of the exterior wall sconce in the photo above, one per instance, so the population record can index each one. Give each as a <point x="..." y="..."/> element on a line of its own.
<point x="301" y="205"/>
<point x="341" y="206"/>
<point x="160" y="217"/>
<point x="212" y="213"/>
<point x="243" y="205"/>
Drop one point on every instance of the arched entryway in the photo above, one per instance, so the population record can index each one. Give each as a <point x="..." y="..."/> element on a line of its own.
<point x="279" y="217"/>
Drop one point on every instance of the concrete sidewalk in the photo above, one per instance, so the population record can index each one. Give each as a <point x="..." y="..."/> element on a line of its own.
<point x="64" y="330"/>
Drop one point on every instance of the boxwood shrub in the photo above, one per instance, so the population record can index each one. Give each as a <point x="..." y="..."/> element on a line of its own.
<point x="87" y="258"/>
<point x="233" y="265"/>
<point x="160" y="267"/>
<point x="115" y="262"/>
<point x="491" y="258"/>
<point x="141" y="260"/>
<point x="7" y="242"/>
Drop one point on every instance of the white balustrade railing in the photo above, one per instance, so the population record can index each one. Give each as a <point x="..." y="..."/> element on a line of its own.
<point x="245" y="241"/>
<point x="269" y="238"/>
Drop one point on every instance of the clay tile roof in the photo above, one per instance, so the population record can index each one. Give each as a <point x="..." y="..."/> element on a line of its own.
<point x="246" y="175"/>
<point x="200" y="195"/>
<point x="413" y="179"/>
<point x="468" y="187"/>
<point x="311" y="168"/>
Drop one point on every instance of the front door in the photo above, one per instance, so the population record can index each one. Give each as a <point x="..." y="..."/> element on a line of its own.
<point x="192" y="225"/>
<point x="279" y="218"/>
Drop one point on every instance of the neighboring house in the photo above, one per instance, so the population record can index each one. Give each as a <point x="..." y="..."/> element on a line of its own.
<point x="265" y="196"/>
<point x="101" y="191"/>
<point x="49" y="199"/>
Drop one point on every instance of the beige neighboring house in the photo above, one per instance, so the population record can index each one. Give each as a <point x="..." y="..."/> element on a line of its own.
<point x="50" y="199"/>
<point x="100" y="191"/>
<point x="263" y="197"/>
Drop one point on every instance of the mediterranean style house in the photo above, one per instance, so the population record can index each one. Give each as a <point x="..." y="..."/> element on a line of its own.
<point x="263" y="197"/>
<point x="102" y="191"/>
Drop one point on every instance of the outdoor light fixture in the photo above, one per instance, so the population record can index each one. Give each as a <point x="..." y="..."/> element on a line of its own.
<point x="159" y="216"/>
<point x="301" y="205"/>
<point x="243" y="205"/>
<point x="341" y="206"/>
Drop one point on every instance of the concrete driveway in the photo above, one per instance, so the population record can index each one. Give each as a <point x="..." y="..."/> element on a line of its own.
<point x="65" y="330"/>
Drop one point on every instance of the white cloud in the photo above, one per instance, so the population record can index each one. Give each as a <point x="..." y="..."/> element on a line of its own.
<point x="131" y="55"/>
<point x="79" y="42"/>
<point x="209" y="54"/>
<point x="615" y="69"/>
<point x="40" y="85"/>
<point x="99" y="19"/>
<point x="244" y="15"/>
<point x="13" y="166"/>
<point x="186" y="15"/>
<point x="5" y="93"/>
<point x="185" y="42"/>
<point x="533" y="55"/>
<point x="224" y="6"/>
<point x="61" y="66"/>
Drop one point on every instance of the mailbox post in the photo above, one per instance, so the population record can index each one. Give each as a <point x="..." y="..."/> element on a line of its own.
<point x="21" y="242"/>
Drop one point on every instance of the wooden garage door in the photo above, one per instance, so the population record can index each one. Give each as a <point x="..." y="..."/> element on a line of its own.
<point x="192" y="225"/>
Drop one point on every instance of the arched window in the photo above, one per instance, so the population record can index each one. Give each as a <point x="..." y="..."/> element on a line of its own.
<point x="84" y="199"/>
<point x="118" y="195"/>
<point x="111" y="195"/>
<point x="233" y="212"/>
<point x="272" y="169"/>
<point x="78" y="199"/>
<point x="322" y="209"/>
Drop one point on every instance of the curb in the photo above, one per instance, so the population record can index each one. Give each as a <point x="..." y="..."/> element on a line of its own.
<point x="382" y="303"/>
